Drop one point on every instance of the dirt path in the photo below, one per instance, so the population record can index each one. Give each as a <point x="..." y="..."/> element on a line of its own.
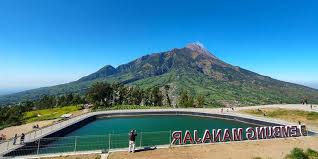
<point x="91" y="156"/>
<point x="286" y="106"/>
<point x="274" y="149"/>
<point x="11" y="131"/>
<point x="25" y="128"/>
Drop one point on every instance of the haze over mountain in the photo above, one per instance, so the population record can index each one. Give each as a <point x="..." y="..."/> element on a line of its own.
<point x="191" y="68"/>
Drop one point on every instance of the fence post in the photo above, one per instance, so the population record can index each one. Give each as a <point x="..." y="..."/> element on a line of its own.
<point x="140" y="139"/>
<point x="8" y="144"/>
<point x="38" y="147"/>
<point x="170" y="138"/>
<point x="108" y="142"/>
<point x="75" y="144"/>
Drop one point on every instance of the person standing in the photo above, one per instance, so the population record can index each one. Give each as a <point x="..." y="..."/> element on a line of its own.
<point x="132" y="139"/>
<point x="22" y="138"/>
<point x="2" y="137"/>
<point x="15" y="139"/>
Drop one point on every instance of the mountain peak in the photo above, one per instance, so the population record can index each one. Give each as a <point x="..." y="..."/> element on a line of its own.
<point x="199" y="47"/>
<point x="196" y="46"/>
<point x="101" y="73"/>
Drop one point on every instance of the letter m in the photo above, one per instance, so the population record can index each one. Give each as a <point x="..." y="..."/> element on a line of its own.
<point x="237" y="134"/>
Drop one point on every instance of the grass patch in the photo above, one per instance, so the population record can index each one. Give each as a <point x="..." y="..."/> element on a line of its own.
<point x="281" y="113"/>
<point x="48" y="114"/>
<point x="309" y="118"/>
<point x="54" y="113"/>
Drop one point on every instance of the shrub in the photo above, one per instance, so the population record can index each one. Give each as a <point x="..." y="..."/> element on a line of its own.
<point x="312" y="154"/>
<point x="297" y="153"/>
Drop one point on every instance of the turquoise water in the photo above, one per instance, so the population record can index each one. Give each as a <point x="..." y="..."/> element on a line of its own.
<point x="112" y="133"/>
<point x="117" y="125"/>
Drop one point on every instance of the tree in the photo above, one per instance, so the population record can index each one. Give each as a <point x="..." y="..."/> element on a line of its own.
<point x="200" y="101"/>
<point x="14" y="115"/>
<point x="156" y="97"/>
<point x="46" y="102"/>
<point x="69" y="99"/>
<point x="183" y="98"/>
<point x="190" y="102"/>
<point x="10" y="116"/>
<point x="77" y="99"/>
<point x="100" y="94"/>
<point x="118" y="93"/>
<point x="147" y="97"/>
<point x="167" y="87"/>
<point x="121" y="93"/>
<point x="136" y="95"/>
<point x="27" y="105"/>
<point x="62" y="101"/>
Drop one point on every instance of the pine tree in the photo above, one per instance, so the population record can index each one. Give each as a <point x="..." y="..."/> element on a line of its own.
<point x="190" y="102"/>
<point x="156" y="97"/>
<point x="167" y="87"/>
<point x="147" y="97"/>
<point x="183" y="100"/>
<point x="200" y="101"/>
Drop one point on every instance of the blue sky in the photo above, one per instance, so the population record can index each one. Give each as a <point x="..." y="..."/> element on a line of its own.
<point x="48" y="42"/>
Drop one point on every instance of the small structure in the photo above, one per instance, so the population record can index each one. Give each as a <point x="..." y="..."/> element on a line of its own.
<point x="66" y="116"/>
<point x="86" y="106"/>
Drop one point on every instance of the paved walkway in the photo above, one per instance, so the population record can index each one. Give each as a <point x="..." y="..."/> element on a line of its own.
<point x="286" y="106"/>
<point x="35" y="135"/>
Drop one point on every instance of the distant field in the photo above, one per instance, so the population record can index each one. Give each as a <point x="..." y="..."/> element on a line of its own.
<point x="53" y="113"/>
<point x="48" y="114"/>
<point x="292" y="115"/>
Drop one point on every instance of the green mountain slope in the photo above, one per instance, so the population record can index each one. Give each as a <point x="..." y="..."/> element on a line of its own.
<point x="192" y="68"/>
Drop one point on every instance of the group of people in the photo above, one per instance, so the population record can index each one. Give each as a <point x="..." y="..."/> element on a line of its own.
<point x="227" y="110"/>
<point x="36" y="126"/>
<point x="3" y="138"/>
<point x="132" y="139"/>
<point x="15" y="138"/>
<point x="22" y="137"/>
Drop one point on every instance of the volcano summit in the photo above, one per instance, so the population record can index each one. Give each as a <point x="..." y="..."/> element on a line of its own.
<point x="191" y="68"/>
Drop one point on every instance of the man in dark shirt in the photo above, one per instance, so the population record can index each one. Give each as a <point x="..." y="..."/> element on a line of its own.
<point x="132" y="139"/>
<point x="22" y="138"/>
